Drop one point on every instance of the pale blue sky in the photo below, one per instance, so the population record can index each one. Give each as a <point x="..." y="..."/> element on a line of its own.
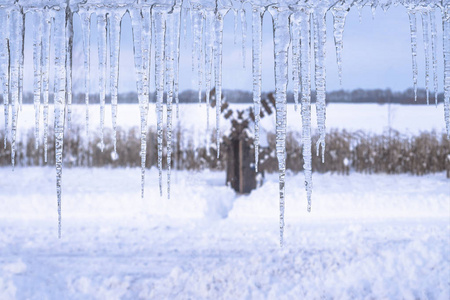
<point x="376" y="54"/>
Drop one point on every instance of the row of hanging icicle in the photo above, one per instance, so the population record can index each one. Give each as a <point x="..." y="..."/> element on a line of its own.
<point x="159" y="23"/>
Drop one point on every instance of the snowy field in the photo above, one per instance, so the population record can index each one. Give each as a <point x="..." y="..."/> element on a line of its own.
<point x="367" y="237"/>
<point x="373" y="118"/>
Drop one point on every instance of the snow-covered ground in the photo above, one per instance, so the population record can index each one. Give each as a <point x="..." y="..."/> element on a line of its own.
<point x="374" y="118"/>
<point x="367" y="237"/>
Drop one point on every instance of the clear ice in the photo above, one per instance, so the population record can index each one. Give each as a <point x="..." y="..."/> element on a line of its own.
<point x="297" y="24"/>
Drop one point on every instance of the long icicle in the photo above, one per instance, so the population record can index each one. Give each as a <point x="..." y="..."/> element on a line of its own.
<point x="434" y="53"/>
<point x="235" y="20"/>
<point x="171" y="57"/>
<point x="305" y="74"/>
<point x="46" y="40"/>
<point x="446" y="38"/>
<point x="143" y="105"/>
<point x="102" y="34"/>
<point x="218" y="45"/>
<point x="86" y="29"/>
<point x="59" y="100"/>
<point x="21" y="60"/>
<point x="4" y="68"/>
<point x="339" y="15"/>
<point x="257" y="19"/>
<point x="320" y="39"/>
<point x="426" y="41"/>
<point x="177" y="25"/>
<point x="185" y="16"/>
<point x="209" y="44"/>
<point x="37" y="48"/>
<point x="243" y="16"/>
<point x="115" y="18"/>
<point x="197" y="21"/>
<point x="137" y="23"/>
<point x="295" y="41"/>
<point x="280" y="17"/>
<point x="160" y="29"/>
<point x="16" y="48"/>
<point x="413" y="31"/>
<point x="69" y="59"/>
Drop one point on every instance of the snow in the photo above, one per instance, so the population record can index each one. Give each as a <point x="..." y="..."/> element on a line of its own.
<point x="371" y="118"/>
<point x="368" y="236"/>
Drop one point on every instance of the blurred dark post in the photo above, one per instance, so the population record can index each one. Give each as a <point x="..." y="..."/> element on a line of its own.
<point x="241" y="175"/>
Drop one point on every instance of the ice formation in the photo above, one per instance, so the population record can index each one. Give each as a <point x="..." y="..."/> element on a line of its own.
<point x="298" y="25"/>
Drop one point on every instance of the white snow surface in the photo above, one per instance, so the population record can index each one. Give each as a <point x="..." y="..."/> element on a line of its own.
<point x="371" y="118"/>
<point x="367" y="237"/>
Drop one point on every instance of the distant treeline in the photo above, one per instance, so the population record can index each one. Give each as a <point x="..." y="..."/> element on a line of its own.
<point x="237" y="96"/>
<point x="389" y="153"/>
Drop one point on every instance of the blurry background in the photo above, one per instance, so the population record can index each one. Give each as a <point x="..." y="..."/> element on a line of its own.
<point x="373" y="108"/>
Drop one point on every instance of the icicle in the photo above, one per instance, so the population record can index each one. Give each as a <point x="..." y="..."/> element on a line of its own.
<point x="137" y="24"/>
<point x="433" y="53"/>
<point x="102" y="61"/>
<point x="16" y="51"/>
<point x="115" y="18"/>
<point x="141" y="22"/>
<point x="339" y="15"/>
<point x="280" y="17"/>
<point x="295" y="40"/>
<point x="360" y="7"/>
<point x="305" y="74"/>
<point x="185" y="12"/>
<point x="86" y="28"/>
<point x="197" y="24"/>
<point x="446" y="38"/>
<point x="373" y="8"/>
<point x="59" y="99"/>
<point x="69" y="48"/>
<point x="4" y="67"/>
<point x="143" y="104"/>
<point x="177" y="25"/>
<point x="37" y="47"/>
<point x="160" y="29"/>
<point x="46" y="40"/>
<point x="235" y="19"/>
<point x="257" y="19"/>
<point x="426" y="42"/>
<point x="244" y="34"/>
<point x="413" y="30"/>
<point x="171" y="57"/>
<point x="209" y="44"/>
<point x="218" y="42"/>
<point x="21" y="60"/>
<point x="320" y="38"/>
